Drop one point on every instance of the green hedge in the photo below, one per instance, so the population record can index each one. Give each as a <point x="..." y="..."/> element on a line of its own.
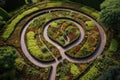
<point x="32" y="45"/>
<point x="89" y="25"/>
<point x="39" y="53"/>
<point x="91" y="74"/>
<point x="19" y="64"/>
<point x="113" y="46"/>
<point x="11" y="26"/>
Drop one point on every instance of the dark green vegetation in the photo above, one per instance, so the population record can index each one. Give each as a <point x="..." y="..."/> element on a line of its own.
<point x="13" y="63"/>
<point x="112" y="73"/>
<point x="110" y="13"/>
<point x="7" y="60"/>
<point x="92" y="3"/>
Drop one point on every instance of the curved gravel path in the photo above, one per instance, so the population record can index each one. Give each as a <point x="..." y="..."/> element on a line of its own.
<point x="62" y="50"/>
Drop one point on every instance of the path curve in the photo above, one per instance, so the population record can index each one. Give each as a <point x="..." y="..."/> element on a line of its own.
<point x="54" y="64"/>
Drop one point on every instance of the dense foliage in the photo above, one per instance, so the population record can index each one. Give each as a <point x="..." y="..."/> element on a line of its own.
<point x="112" y="73"/>
<point x="7" y="60"/>
<point x="110" y="13"/>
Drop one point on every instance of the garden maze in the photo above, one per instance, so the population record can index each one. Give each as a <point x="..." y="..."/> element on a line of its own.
<point x="51" y="34"/>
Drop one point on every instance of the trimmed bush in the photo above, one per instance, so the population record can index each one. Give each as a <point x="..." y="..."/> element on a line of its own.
<point x="86" y="9"/>
<point x="19" y="63"/>
<point x="89" y="25"/>
<point x="95" y="14"/>
<point x="7" y="58"/>
<point x="113" y="46"/>
<point x="91" y="74"/>
<point x="32" y="46"/>
<point x="74" y="70"/>
<point x="40" y="53"/>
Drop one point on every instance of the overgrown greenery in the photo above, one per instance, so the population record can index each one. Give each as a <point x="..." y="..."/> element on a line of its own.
<point x="91" y="74"/>
<point x="32" y="44"/>
<point x="113" y="46"/>
<point x="74" y="70"/>
<point x="112" y="73"/>
<point x="7" y="60"/>
<point x="89" y="25"/>
<point x="110" y="13"/>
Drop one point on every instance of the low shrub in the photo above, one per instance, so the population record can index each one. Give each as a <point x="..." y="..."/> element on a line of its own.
<point x="113" y="46"/>
<point x="74" y="70"/>
<point x="86" y="9"/>
<point x="32" y="46"/>
<point x="91" y="74"/>
<point x="19" y="63"/>
<point x="95" y="14"/>
<point x="89" y="25"/>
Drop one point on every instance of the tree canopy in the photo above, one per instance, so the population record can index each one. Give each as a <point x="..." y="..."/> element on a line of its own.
<point x="7" y="59"/>
<point x="113" y="73"/>
<point x="110" y="13"/>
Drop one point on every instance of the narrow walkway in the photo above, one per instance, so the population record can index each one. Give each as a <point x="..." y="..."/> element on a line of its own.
<point x="62" y="50"/>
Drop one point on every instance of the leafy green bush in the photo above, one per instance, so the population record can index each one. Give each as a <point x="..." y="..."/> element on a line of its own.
<point x="108" y="3"/>
<point x="11" y="26"/>
<point x="19" y="63"/>
<point x="7" y="60"/>
<point x="113" y="46"/>
<point x="32" y="44"/>
<point x="110" y="13"/>
<point x="86" y="9"/>
<point x="41" y="53"/>
<point x="95" y="14"/>
<point x="74" y="70"/>
<point x="112" y="73"/>
<point x="91" y="74"/>
<point x="32" y="71"/>
<point x="89" y="25"/>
